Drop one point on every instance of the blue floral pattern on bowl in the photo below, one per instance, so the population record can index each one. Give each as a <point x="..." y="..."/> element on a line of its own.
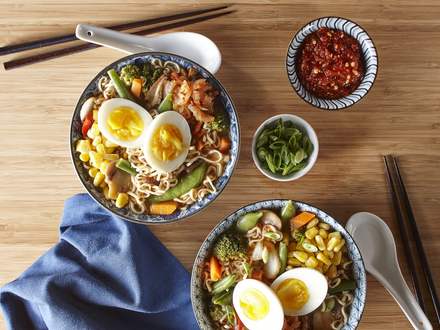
<point x="369" y="55"/>
<point x="199" y="296"/>
<point x="220" y="184"/>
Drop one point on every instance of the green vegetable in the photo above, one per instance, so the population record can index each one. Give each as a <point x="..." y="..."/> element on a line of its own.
<point x="166" y="104"/>
<point x="248" y="221"/>
<point x="298" y="236"/>
<point x="282" y="252"/>
<point x="120" y="86"/>
<point x="188" y="182"/>
<point x="130" y="72"/>
<point x="224" y="284"/>
<point x="273" y="235"/>
<point x="150" y="74"/>
<point x="221" y="119"/>
<point x="282" y="148"/>
<point x="329" y="305"/>
<point x="288" y="211"/>
<point x="345" y="285"/>
<point x="229" y="246"/>
<point x="216" y="312"/>
<point x="223" y="298"/>
<point x="125" y="165"/>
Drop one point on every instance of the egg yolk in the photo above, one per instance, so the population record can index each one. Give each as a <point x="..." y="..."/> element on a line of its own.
<point x="125" y="124"/>
<point x="254" y="304"/>
<point x="292" y="293"/>
<point x="167" y="142"/>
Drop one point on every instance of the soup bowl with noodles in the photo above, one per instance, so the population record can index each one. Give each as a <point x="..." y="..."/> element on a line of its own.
<point x="154" y="138"/>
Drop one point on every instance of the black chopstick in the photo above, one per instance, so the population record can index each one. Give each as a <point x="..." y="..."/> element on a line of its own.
<point x="80" y="48"/>
<point x="120" y="27"/>
<point x="419" y="245"/>
<point x="403" y="233"/>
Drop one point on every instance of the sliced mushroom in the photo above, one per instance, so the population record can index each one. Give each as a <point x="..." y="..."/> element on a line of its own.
<point x="257" y="253"/>
<point x="86" y="108"/>
<point x="273" y="265"/>
<point x="271" y="218"/>
<point x="154" y="94"/>
<point x="118" y="181"/>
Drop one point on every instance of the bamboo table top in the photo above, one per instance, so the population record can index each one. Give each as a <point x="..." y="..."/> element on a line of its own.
<point x="400" y="115"/>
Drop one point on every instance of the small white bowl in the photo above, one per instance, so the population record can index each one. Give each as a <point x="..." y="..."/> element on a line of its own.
<point x="302" y="125"/>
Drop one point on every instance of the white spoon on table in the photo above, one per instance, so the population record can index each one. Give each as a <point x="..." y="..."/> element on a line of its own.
<point x="378" y="249"/>
<point x="194" y="46"/>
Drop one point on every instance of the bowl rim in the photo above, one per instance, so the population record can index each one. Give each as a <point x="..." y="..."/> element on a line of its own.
<point x="72" y="151"/>
<point x="313" y="157"/>
<point x="338" y="108"/>
<point x="224" y="218"/>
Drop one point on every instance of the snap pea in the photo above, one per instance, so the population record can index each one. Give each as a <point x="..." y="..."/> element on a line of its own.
<point x="166" y="104"/>
<point x="288" y="211"/>
<point x="222" y="298"/>
<point x="188" y="182"/>
<point x="248" y="221"/>
<point x="120" y="86"/>
<point x="345" y="285"/>
<point x="282" y="252"/>
<point x="224" y="284"/>
<point x="125" y="165"/>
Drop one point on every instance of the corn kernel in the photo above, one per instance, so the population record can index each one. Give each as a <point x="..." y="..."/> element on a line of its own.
<point x="322" y="257"/>
<point x="312" y="223"/>
<point x="95" y="158"/>
<point x="337" y="258"/>
<point x="320" y="242"/>
<point x="110" y="150"/>
<point x="301" y="256"/>
<point x="323" y="233"/>
<point x="111" y="156"/>
<point x="294" y="262"/>
<point x="84" y="158"/>
<point x="121" y="200"/>
<point x="104" y="166"/>
<point x="112" y="192"/>
<point x="100" y="149"/>
<point x="311" y="262"/>
<point x="95" y="129"/>
<point x="336" y="234"/>
<point x="103" y="184"/>
<point x="332" y="272"/>
<point x="339" y="246"/>
<point x="93" y="171"/>
<point x="83" y="146"/>
<point x="109" y="144"/>
<point x="105" y="191"/>
<point x="332" y="242"/>
<point x="329" y="254"/>
<point x="311" y="233"/>
<point x="97" y="140"/>
<point x="95" y="115"/>
<point x="99" y="177"/>
<point x="324" y="226"/>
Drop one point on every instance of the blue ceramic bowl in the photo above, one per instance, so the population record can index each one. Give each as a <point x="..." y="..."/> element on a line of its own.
<point x="199" y="296"/>
<point x="125" y="213"/>
<point x="369" y="56"/>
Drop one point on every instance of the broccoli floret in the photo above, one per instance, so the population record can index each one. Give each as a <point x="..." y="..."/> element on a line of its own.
<point x="216" y="312"/>
<point x="150" y="74"/>
<point x="130" y="72"/>
<point x="229" y="246"/>
<point x="221" y="120"/>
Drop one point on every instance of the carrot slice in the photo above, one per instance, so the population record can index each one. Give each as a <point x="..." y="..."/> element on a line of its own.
<point x="301" y="219"/>
<point x="136" y="87"/>
<point x="215" y="269"/>
<point x="163" y="208"/>
<point x="224" y="144"/>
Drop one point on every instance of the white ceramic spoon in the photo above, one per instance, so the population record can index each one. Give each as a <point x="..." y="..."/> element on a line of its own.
<point x="194" y="46"/>
<point x="378" y="250"/>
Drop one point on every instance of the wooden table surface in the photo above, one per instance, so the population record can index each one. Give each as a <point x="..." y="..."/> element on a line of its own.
<point x="400" y="115"/>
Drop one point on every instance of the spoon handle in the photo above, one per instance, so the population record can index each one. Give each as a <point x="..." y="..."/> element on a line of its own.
<point x="400" y="291"/>
<point x="125" y="42"/>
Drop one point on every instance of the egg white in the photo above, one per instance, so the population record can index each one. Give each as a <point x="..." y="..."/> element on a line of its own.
<point x="274" y="320"/>
<point x="108" y="106"/>
<point x="315" y="282"/>
<point x="177" y="120"/>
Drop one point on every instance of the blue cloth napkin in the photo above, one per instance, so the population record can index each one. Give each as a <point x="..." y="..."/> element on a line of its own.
<point x="105" y="273"/>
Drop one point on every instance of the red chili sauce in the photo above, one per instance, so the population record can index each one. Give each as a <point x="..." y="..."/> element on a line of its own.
<point x="330" y="64"/>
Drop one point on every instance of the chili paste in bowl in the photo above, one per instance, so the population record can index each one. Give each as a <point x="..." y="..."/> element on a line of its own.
<point x="331" y="63"/>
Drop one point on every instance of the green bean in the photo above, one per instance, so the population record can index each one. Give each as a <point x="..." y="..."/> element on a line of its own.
<point x="224" y="284"/>
<point x="120" y="86"/>
<point x="282" y="251"/>
<point x="248" y="221"/>
<point x="223" y="298"/>
<point x="125" y="165"/>
<point x="188" y="182"/>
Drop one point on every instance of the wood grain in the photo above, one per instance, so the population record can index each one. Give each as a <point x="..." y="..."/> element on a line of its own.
<point x="401" y="115"/>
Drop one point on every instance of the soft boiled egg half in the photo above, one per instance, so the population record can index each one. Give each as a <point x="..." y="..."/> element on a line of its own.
<point x="300" y="290"/>
<point x="257" y="306"/>
<point x="123" y="122"/>
<point x="167" y="142"/>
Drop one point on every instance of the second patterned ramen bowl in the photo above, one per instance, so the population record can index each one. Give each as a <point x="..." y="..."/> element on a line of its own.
<point x="82" y="157"/>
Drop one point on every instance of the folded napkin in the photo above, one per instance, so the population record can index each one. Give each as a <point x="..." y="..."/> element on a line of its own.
<point x="105" y="273"/>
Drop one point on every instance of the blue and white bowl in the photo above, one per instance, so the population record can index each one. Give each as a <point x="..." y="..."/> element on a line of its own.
<point x="199" y="296"/>
<point x="125" y="213"/>
<point x="369" y="56"/>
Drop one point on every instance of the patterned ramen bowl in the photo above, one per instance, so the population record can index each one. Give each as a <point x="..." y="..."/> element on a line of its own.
<point x="220" y="183"/>
<point x="199" y="296"/>
<point x="367" y="49"/>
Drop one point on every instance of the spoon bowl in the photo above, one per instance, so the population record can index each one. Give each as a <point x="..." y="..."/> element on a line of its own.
<point x="378" y="249"/>
<point x="194" y="46"/>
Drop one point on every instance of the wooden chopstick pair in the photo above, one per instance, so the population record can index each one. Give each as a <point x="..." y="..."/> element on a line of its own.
<point x="192" y="17"/>
<point x="407" y="224"/>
